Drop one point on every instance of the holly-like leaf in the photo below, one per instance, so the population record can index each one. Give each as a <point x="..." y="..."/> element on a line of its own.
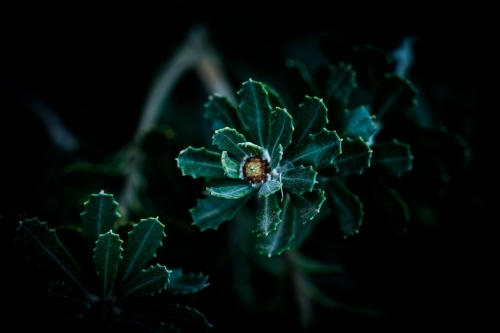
<point x="143" y="241"/>
<point x="228" y="139"/>
<point x="299" y="180"/>
<point x="317" y="149"/>
<point x="99" y="216"/>
<point x="252" y="148"/>
<point x="231" y="168"/>
<point x="211" y="211"/>
<point x="357" y="123"/>
<point x="308" y="204"/>
<point x="231" y="192"/>
<point x="393" y="97"/>
<point x="347" y="206"/>
<point x="311" y="120"/>
<point x="340" y="85"/>
<point x="269" y="187"/>
<point x="280" y="132"/>
<point x="268" y="215"/>
<point x="391" y="158"/>
<point x="108" y="253"/>
<point x="64" y="297"/>
<point x="200" y="162"/>
<point x="276" y="157"/>
<point x="278" y="241"/>
<point x="147" y="282"/>
<point x="255" y="110"/>
<point x="42" y="244"/>
<point x="356" y="156"/>
<point x="181" y="283"/>
<point x="221" y="112"/>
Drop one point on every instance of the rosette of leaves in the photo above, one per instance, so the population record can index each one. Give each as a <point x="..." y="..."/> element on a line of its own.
<point x="264" y="155"/>
<point x="112" y="301"/>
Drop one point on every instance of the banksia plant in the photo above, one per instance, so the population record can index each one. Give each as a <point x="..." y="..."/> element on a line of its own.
<point x="264" y="155"/>
<point x="121" y="274"/>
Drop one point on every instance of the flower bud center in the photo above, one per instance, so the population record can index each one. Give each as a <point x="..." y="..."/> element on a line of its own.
<point x="256" y="169"/>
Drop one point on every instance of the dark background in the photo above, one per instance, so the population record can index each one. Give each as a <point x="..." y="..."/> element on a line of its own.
<point x="95" y="73"/>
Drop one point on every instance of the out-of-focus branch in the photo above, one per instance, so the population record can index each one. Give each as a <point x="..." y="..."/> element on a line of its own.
<point x="196" y="53"/>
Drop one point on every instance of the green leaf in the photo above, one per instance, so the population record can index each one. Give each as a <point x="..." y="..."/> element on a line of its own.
<point x="357" y="123"/>
<point x="299" y="180"/>
<point x="63" y="297"/>
<point x="42" y="244"/>
<point x="255" y="110"/>
<point x="268" y="215"/>
<point x="280" y="132"/>
<point x="231" y="168"/>
<point x="276" y="157"/>
<point x="278" y="241"/>
<point x="183" y="317"/>
<point x="340" y="85"/>
<point x="274" y="97"/>
<point x="221" y="112"/>
<point x="393" y="98"/>
<point x="347" y="206"/>
<point x="391" y="158"/>
<point x="308" y="204"/>
<point x="143" y="241"/>
<point x="356" y="156"/>
<point x="147" y="282"/>
<point x="253" y="149"/>
<point x="229" y="139"/>
<point x="311" y="120"/>
<point x="200" y="162"/>
<point x="181" y="283"/>
<point x="211" y="211"/>
<point x="317" y="149"/>
<point x="269" y="187"/>
<point x="231" y="192"/>
<point x="299" y="80"/>
<point x="99" y="216"/>
<point x="108" y="253"/>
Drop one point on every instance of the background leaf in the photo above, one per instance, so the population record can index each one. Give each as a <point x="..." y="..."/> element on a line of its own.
<point x="147" y="282"/>
<point x="393" y="98"/>
<point x="221" y="112"/>
<point x="65" y="297"/>
<point x="391" y="158"/>
<point x="181" y="283"/>
<point x="347" y="206"/>
<point x="357" y="123"/>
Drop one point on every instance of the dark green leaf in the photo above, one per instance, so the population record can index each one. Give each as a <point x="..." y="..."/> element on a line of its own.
<point x="340" y="85"/>
<point x="255" y="110"/>
<point x="393" y="210"/>
<point x="311" y="120"/>
<point x="280" y="132"/>
<point x="147" y="282"/>
<point x="99" y="216"/>
<point x="393" y="98"/>
<point x="278" y="241"/>
<point x="391" y="158"/>
<point x="347" y="206"/>
<point x="276" y="157"/>
<point x="268" y="215"/>
<point x="64" y="297"/>
<point x="231" y="192"/>
<point x="274" y="97"/>
<point x="308" y="204"/>
<point x="200" y="162"/>
<point x="299" y="80"/>
<point x="143" y="241"/>
<point x="211" y="211"/>
<point x="253" y="149"/>
<point x="181" y="283"/>
<point x="299" y="180"/>
<point x="229" y="139"/>
<point x="313" y="266"/>
<point x="269" y="187"/>
<point x="357" y="123"/>
<point x="370" y="64"/>
<point x="356" y="156"/>
<point x="221" y="112"/>
<point x="108" y="252"/>
<point x="42" y="244"/>
<point x="317" y="149"/>
<point x="231" y="168"/>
